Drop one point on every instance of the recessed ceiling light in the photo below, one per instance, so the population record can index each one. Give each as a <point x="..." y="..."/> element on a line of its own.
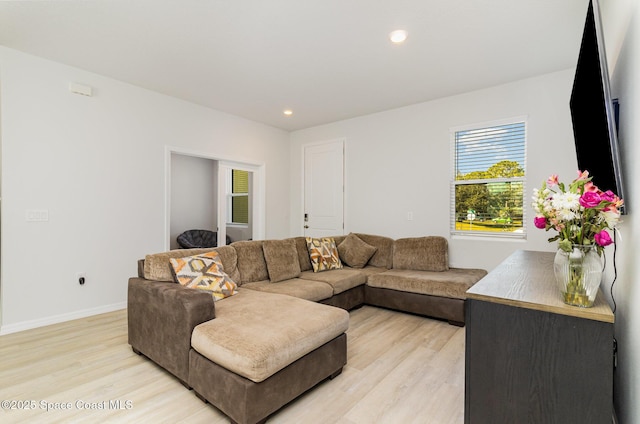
<point x="398" y="36"/>
<point x="287" y="112"/>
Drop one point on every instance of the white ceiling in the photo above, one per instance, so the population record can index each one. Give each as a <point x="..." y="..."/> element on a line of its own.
<point x="327" y="60"/>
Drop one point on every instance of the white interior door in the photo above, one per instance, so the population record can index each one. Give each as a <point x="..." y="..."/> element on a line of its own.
<point x="324" y="189"/>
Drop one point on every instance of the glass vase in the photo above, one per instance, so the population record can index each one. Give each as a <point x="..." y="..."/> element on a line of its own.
<point x="578" y="274"/>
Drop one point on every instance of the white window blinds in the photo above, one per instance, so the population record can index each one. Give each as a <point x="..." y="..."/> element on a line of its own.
<point x="487" y="188"/>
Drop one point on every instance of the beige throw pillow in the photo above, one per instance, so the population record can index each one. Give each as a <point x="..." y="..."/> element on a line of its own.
<point x="282" y="259"/>
<point x="354" y="252"/>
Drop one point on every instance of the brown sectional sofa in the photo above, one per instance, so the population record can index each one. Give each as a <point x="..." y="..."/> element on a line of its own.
<point x="284" y="332"/>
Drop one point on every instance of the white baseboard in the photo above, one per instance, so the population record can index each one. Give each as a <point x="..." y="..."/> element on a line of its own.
<point x="36" y="323"/>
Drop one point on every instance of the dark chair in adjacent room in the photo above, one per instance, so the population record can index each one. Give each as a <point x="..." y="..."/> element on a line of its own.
<point x="192" y="239"/>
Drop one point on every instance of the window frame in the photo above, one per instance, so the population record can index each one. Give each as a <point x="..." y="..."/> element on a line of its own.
<point x="461" y="233"/>
<point x="230" y="195"/>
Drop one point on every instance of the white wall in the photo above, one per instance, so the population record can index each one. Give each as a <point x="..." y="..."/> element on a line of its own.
<point x="385" y="150"/>
<point x="621" y="21"/>
<point x="194" y="195"/>
<point x="97" y="164"/>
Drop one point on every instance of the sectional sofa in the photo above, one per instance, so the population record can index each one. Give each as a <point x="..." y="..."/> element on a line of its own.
<point x="280" y="327"/>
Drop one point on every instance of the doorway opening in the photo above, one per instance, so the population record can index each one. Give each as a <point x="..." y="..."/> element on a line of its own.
<point x="215" y="194"/>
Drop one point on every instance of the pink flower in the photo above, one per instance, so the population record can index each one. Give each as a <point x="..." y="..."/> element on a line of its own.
<point x="540" y="222"/>
<point x="557" y="225"/>
<point x="591" y="187"/>
<point x="603" y="238"/>
<point x="590" y="199"/>
<point x="609" y="196"/>
<point x="552" y="180"/>
<point x="582" y="175"/>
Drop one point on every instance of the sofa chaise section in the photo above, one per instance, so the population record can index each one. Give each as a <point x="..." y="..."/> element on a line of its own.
<point x="264" y="350"/>
<point x="279" y="346"/>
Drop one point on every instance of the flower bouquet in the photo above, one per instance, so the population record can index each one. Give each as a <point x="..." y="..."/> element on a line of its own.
<point x="582" y="215"/>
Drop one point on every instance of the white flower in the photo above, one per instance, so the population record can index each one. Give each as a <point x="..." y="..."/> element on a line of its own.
<point x="611" y="217"/>
<point x="568" y="202"/>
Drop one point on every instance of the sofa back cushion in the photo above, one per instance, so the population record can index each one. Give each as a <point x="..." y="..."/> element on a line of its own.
<point x="421" y="254"/>
<point x="383" y="257"/>
<point x="251" y="263"/>
<point x="281" y="257"/>
<point x="229" y="259"/>
<point x="303" y="253"/>
<point x="158" y="268"/>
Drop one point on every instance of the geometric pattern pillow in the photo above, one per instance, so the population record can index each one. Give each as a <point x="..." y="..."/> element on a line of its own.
<point x="204" y="272"/>
<point x="323" y="254"/>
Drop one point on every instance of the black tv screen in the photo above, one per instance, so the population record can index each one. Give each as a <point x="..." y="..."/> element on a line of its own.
<point x="592" y="112"/>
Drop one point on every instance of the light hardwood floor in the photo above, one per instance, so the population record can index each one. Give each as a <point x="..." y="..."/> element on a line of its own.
<point x="401" y="369"/>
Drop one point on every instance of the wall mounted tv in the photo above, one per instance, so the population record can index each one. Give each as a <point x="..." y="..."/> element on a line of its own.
<point x="592" y="110"/>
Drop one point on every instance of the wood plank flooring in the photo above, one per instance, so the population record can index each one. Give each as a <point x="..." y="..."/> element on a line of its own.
<point x="401" y="369"/>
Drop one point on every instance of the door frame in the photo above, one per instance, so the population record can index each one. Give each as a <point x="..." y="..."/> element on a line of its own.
<point x="258" y="187"/>
<point x="304" y="146"/>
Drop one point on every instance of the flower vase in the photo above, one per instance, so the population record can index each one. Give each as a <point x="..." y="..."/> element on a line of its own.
<point x="578" y="274"/>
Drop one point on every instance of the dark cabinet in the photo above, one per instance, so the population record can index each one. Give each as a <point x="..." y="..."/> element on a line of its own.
<point x="529" y="357"/>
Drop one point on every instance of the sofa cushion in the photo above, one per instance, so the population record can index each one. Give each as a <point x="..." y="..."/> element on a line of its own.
<point x="281" y="257"/>
<point x="204" y="272"/>
<point x="303" y="253"/>
<point x="158" y="268"/>
<point x="323" y="254"/>
<point x="452" y="283"/>
<point x="371" y="270"/>
<point x="314" y="291"/>
<point x="229" y="259"/>
<point x="383" y="258"/>
<point x="421" y="254"/>
<point x="354" y="252"/>
<point x="339" y="279"/>
<point x="256" y="334"/>
<point x="251" y="263"/>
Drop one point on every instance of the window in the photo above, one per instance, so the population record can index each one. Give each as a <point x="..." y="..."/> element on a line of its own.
<point x="238" y="197"/>
<point x="488" y="183"/>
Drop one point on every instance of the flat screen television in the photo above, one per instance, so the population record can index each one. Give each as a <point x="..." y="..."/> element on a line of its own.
<point x="592" y="110"/>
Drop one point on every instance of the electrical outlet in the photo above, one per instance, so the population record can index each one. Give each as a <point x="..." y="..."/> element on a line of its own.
<point x="81" y="277"/>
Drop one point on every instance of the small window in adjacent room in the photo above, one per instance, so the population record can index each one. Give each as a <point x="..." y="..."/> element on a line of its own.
<point x="488" y="182"/>
<point x="238" y="197"/>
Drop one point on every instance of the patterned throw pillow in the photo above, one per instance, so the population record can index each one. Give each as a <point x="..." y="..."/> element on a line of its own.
<point x="323" y="254"/>
<point x="204" y="272"/>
